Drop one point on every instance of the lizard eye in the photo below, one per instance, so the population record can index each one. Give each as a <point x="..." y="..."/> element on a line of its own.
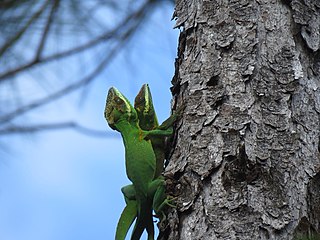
<point x="120" y="103"/>
<point x="117" y="100"/>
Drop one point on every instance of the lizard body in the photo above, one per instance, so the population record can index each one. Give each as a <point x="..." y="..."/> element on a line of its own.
<point x="147" y="191"/>
<point x="148" y="120"/>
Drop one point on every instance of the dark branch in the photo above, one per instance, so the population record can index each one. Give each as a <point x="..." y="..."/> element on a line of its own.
<point x="9" y="43"/>
<point x="118" y="37"/>
<point x="118" y="32"/>
<point x="46" y="29"/>
<point x="72" y="87"/>
<point x="83" y="82"/>
<point x="56" y="126"/>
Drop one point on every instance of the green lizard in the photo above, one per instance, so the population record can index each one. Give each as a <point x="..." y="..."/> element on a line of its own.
<point x="147" y="191"/>
<point x="148" y="121"/>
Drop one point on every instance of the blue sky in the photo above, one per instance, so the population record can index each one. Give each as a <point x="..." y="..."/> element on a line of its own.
<point x="63" y="185"/>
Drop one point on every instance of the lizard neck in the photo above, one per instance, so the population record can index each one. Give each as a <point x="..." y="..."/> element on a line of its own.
<point x="125" y="127"/>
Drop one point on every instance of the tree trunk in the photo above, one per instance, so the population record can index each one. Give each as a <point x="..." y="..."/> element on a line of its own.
<point x="246" y="159"/>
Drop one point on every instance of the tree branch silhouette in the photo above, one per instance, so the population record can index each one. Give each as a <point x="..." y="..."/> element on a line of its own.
<point x="28" y="129"/>
<point x="113" y="39"/>
<point x="117" y="33"/>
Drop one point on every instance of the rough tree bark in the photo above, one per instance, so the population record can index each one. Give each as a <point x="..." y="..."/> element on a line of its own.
<point x="246" y="160"/>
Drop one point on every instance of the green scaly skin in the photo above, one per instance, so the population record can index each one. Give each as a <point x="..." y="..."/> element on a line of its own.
<point x="148" y="121"/>
<point x="147" y="192"/>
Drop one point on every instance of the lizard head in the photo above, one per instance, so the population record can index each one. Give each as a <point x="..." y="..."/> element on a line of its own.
<point x="144" y="106"/>
<point x="118" y="108"/>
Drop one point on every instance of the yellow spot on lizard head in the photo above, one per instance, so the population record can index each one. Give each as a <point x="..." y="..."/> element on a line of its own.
<point x="148" y="99"/>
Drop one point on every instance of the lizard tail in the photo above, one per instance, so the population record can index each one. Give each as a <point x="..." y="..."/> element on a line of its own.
<point x="144" y="221"/>
<point x="150" y="226"/>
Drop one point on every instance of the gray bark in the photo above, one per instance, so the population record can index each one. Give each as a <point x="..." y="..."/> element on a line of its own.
<point x="246" y="160"/>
